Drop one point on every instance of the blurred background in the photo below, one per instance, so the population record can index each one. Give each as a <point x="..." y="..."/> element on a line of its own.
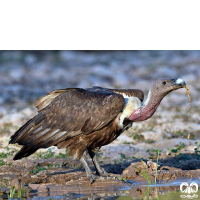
<point x="28" y="75"/>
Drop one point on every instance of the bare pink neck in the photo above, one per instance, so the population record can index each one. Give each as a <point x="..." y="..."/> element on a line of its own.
<point x="147" y="110"/>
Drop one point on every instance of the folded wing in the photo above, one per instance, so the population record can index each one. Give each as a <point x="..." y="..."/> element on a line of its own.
<point x="68" y="114"/>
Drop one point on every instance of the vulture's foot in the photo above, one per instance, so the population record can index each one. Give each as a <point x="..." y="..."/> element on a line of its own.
<point x="103" y="174"/>
<point x="94" y="177"/>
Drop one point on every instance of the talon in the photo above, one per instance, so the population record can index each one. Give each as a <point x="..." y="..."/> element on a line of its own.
<point x="93" y="177"/>
<point x="91" y="181"/>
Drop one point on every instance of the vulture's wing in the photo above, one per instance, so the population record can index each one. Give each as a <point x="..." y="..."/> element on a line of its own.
<point x="125" y="92"/>
<point x="44" y="101"/>
<point x="130" y="93"/>
<point x="71" y="113"/>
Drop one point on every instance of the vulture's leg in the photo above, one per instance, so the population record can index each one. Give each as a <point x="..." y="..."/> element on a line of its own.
<point x="99" y="170"/>
<point x="89" y="173"/>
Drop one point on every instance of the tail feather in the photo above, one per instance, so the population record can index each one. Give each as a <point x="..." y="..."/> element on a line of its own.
<point x="25" y="151"/>
<point x="17" y="133"/>
<point x="23" y="131"/>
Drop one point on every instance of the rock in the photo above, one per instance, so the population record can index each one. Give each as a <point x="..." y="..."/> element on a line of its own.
<point x="4" y="189"/>
<point x="28" y="164"/>
<point x="42" y="189"/>
<point x="38" y="187"/>
<point x="152" y="165"/>
<point x="136" y="169"/>
<point x="15" y="183"/>
<point x="133" y="170"/>
<point x="34" y="186"/>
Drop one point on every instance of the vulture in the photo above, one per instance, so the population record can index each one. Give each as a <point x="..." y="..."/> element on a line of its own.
<point x="84" y="120"/>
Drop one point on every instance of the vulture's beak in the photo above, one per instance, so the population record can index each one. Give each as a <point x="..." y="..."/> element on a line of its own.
<point x="179" y="82"/>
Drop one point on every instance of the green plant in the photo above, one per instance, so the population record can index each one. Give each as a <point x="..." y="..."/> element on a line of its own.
<point x="46" y="155"/>
<point x="177" y="149"/>
<point x="49" y="166"/>
<point x="6" y="155"/>
<point x="158" y="151"/>
<point x="116" y="161"/>
<point x="2" y="163"/>
<point x="21" y="191"/>
<point x="9" y="164"/>
<point x="150" y="154"/>
<point x="12" y="190"/>
<point x="3" y="155"/>
<point x="61" y="155"/>
<point x="123" y="179"/>
<point x="57" y="165"/>
<point x="38" y="169"/>
<point x="65" y="164"/>
<point x="138" y="137"/>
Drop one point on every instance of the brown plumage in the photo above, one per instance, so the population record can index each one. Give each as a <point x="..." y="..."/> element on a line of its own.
<point x="83" y="120"/>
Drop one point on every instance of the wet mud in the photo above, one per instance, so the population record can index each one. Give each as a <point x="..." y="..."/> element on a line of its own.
<point x="66" y="177"/>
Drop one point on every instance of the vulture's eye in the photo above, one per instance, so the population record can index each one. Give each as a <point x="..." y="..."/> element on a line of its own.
<point x="164" y="83"/>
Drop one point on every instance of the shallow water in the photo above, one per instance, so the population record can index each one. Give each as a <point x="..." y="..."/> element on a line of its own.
<point x="161" y="191"/>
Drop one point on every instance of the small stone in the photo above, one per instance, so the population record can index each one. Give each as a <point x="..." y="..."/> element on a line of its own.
<point x="34" y="186"/>
<point x="4" y="189"/>
<point x="15" y="183"/>
<point x="38" y="187"/>
<point x="152" y="164"/>
<point x="42" y="189"/>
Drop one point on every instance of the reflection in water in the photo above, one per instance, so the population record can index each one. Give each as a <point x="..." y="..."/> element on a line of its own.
<point x="169" y="192"/>
<point x="159" y="192"/>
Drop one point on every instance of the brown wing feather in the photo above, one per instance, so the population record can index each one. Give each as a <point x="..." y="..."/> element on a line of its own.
<point x="71" y="113"/>
<point x="44" y="101"/>
<point x="130" y="92"/>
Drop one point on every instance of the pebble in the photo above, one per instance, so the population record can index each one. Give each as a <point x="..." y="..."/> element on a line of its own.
<point x="15" y="183"/>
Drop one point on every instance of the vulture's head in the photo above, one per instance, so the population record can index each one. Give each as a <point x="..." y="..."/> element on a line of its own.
<point x="163" y="86"/>
<point x="157" y="92"/>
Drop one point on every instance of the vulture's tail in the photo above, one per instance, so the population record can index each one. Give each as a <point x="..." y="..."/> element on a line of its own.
<point x="24" y="152"/>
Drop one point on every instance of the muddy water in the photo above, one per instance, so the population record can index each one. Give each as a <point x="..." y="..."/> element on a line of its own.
<point x="64" y="178"/>
<point x="45" y="181"/>
<point x="164" y="191"/>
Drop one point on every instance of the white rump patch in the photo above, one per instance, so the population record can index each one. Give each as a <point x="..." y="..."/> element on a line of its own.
<point x="179" y="81"/>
